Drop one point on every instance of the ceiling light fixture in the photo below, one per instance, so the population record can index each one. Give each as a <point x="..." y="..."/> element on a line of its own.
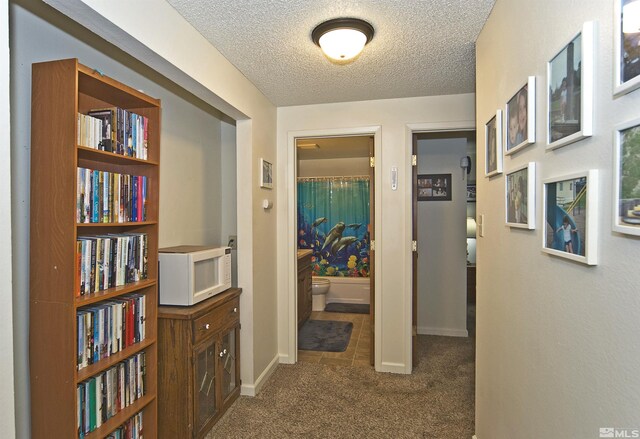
<point x="342" y="39"/>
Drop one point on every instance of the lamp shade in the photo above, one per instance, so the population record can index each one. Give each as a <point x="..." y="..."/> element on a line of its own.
<point x="471" y="227"/>
<point x="342" y="39"/>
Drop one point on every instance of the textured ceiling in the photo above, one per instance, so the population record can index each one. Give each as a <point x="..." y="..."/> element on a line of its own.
<point x="420" y="48"/>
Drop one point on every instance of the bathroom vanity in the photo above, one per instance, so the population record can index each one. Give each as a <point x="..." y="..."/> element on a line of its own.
<point x="198" y="364"/>
<point x="304" y="286"/>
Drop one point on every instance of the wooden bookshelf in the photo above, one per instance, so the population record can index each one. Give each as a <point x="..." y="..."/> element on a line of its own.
<point x="61" y="90"/>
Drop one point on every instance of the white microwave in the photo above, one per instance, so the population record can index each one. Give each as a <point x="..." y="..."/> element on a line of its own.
<point x="190" y="274"/>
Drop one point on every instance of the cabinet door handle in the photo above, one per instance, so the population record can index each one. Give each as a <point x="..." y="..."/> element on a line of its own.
<point x="221" y="354"/>
<point x="206" y="326"/>
<point x="235" y="309"/>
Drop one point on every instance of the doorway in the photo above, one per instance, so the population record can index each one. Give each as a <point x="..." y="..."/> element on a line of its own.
<point x="335" y="212"/>
<point x="443" y="204"/>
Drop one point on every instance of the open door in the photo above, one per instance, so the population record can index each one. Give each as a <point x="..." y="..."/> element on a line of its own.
<point x="414" y="244"/>
<point x="372" y="278"/>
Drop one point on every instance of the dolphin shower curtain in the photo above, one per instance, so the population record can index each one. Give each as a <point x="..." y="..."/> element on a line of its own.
<point x="333" y="221"/>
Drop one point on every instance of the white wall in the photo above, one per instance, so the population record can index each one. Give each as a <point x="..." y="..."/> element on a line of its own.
<point x="229" y="193"/>
<point x="333" y="167"/>
<point x="7" y="415"/>
<point x="442" y="263"/>
<point x="171" y="46"/>
<point x="190" y="171"/>
<point x="557" y="341"/>
<point x="393" y="232"/>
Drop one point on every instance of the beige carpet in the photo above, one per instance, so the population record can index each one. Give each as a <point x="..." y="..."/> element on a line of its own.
<point x="320" y="401"/>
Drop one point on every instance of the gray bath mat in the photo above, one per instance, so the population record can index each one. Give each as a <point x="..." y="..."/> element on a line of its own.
<point x="354" y="308"/>
<point x="324" y="335"/>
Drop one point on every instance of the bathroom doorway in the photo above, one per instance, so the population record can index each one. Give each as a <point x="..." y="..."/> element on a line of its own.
<point x="334" y="223"/>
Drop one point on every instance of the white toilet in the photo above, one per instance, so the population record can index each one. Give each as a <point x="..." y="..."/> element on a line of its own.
<point x="319" y="288"/>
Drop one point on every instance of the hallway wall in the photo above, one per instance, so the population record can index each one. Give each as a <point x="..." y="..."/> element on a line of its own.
<point x="442" y="263"/>
<point x="557" y="341"/>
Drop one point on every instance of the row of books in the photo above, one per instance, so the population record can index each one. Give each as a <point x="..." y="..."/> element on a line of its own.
<point x="132" y="429"/>
<point x="109" y="261"/>
<point x="115" y="130"/>
<point x="89" y="131"/>
<point x="109" y="197"/>
<point x="110" y="327"/>
<point x="104" y="395"/>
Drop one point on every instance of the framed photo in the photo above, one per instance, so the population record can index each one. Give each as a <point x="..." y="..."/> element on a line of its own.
<point x="520" y="118"/>
<point x="520" y="197"/>
<point x="626" y="46"/>
<point x="626" y="178"/>
<point x="570" y="91"/>
<point x="471" y="192"/>
<point x="266" y="174"/>
<point x="493" y="145"/>
<point x="571" y="215"/>
<point x="434" y="187"/>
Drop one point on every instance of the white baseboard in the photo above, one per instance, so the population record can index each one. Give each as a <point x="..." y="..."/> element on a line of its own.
<point x="254" y="389"/>
<point x="448" y="332"/>
<point x="393" y="368"/>
<point x="286" y="359"/>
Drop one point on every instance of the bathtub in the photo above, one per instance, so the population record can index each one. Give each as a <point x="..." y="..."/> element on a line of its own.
<point x="347" y="289"/>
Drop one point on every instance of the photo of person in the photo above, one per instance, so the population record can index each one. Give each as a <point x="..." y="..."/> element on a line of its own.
<point x="491" y="147"/>
<point x="564" y="91"/>
<point x="517" y="196"/>
<point x="517" y="119"/>
<point x="434" y="187"/>
<point x="630" y="39"/>
<point x="566" y="204"/>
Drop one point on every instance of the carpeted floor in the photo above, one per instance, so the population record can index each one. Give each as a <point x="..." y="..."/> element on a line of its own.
<point x="325" y="401"/>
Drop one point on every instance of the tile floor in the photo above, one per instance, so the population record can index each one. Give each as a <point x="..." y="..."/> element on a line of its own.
<point x="358" y="350"/>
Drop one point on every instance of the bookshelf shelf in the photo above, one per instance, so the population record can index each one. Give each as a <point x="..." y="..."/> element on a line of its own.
<point x="60" y="91"/>
<point x="95" y="155"/>
<point x="113" y="359"/>
<point x="110" y="293"/>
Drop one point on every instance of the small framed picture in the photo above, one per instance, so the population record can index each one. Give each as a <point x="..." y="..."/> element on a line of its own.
<point x="471" y="192"/>
<point x="571" y="215"/>
<point x="570" y="91"/>
<point x="626" y="46"/>
<point x="520" y="199"/>
<point x="434" y="187"/>
<point x="266" y="174"/>
<point x="493" y="145"/>
<point x="626" y="178"/>
<point x="520" y="118"/>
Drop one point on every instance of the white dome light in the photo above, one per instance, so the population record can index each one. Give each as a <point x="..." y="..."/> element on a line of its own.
<point x="342" y="39"/>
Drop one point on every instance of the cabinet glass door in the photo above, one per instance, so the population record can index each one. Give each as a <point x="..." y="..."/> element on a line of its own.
<point x="205" y="381"/>
<point x="228" y="358"/>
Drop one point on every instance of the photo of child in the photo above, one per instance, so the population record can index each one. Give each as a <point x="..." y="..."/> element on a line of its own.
<point x="517" y="197"/>
<point x="565" y="86"/>
<point x="491" y="146"/>
<point x="566" y="204"/>
<point x="517" y="119"/>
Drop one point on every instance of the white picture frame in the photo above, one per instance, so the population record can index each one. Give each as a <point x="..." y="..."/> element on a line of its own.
<point x="569" y="103"/>
<point x="629" y="68"/>
<point x="625" y="206"/>
<point x="578" y="216"/>
<point x="266" y="174"/>
<point x="493" y="145"/>
<point x="524" y="133"/>
<point x="520" y="197"/>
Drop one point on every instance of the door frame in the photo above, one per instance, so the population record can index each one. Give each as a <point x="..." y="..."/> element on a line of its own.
<point x="410" y="130"/>
<point x="291" y="248"/>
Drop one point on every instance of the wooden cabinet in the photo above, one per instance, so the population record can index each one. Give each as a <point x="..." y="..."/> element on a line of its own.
<point x="198" y="364"/>
<point x="61" y="90"/>
<point x="304" y="288"/>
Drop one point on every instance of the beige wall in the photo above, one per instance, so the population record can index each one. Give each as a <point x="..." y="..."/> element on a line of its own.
<point x="203" y="71"/>
<point x="557" y="341"/>
<point x="7" y="415"/>
<point x="393" y="240"/>
<point x="442" y="265"/>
